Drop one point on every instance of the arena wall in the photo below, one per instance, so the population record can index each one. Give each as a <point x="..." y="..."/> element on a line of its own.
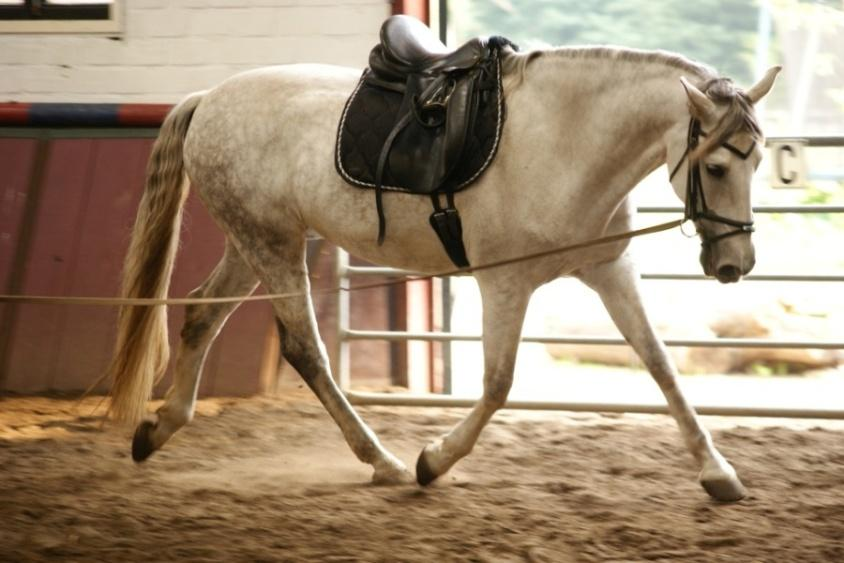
<point x="70" y="201"/>
<point x="169" y="48"/>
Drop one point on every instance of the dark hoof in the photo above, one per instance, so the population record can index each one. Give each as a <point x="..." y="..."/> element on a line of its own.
<point x="725" y="490"/>
<point x="424" y="475"/>
<point x="142" y="446"/>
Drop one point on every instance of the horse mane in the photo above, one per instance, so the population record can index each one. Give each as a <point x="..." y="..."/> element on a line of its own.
<point x="664" y="58"/>
<point x="517" y="62"/>
<point x="721" y="90"/>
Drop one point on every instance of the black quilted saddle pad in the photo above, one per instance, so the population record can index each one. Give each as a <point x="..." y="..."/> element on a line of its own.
<point x="372" y="111"/>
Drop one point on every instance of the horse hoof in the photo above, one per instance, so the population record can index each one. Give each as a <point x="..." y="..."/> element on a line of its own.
<point x="424" y="474"/>
<point x="142" y="446"/>
<point x="724" y="489"/>
<point x="392" y="476"/>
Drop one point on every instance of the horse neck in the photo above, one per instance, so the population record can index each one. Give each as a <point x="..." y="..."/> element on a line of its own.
<point x="608" y="123"/>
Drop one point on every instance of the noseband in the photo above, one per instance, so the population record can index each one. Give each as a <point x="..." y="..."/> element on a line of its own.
<point x="696" y="207"/>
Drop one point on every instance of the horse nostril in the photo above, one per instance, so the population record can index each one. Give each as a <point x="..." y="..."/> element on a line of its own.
<point x="728" y="273"/>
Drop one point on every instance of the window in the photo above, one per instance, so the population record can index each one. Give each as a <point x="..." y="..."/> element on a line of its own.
<point x="60" y="16"/>
<point x="740" y="38"/>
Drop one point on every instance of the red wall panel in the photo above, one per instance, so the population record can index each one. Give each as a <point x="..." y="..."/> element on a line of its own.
<point x="16" y="158"/>
<point x="47" y="269"/>
<point x="113" y="189"/>
<point x="80" y="231"/>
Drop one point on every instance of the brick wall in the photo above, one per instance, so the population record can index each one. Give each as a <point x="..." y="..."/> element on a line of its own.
<point x="173" y="47"/>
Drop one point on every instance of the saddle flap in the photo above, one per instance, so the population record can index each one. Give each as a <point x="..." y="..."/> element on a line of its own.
<point x="425" y="156"/>
<point x="423" y="120"/>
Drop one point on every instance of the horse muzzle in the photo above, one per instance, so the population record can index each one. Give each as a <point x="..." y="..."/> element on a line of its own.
<point x="727" y="261"/>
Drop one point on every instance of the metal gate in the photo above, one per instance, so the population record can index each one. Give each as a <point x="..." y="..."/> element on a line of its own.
<point x="346" y="335"/>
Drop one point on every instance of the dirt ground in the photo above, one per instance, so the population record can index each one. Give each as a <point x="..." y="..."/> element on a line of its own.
<point x="272" y="480"/>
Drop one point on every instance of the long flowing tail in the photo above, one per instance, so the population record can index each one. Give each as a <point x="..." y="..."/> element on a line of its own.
<point x="142" y="350"/>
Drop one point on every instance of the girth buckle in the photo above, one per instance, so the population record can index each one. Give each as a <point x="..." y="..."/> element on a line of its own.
<point x="446" y="223"/>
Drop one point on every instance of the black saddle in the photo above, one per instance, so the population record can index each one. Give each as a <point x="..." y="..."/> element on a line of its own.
<point x="423" y="119"/>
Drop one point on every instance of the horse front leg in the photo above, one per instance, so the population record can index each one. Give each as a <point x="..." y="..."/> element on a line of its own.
<point x="617" y="283"/>
<point x="503" y="315"/>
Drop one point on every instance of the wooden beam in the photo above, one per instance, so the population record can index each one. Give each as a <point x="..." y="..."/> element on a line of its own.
<point x="416" y="8"/>
<point x="413" y="362"/>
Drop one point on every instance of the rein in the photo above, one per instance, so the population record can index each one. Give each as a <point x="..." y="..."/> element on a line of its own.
<point x="696" y="208"/>
<point x="151" y="302"/>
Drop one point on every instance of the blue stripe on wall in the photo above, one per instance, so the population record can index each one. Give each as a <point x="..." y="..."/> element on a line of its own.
<point x="57" y="115"/>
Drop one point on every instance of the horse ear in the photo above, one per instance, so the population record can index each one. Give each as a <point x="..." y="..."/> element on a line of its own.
<point x="761" y="88"/>
<point x="701" y="107"/>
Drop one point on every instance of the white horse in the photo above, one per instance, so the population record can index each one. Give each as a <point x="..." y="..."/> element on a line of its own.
<point x="584" y="126"/>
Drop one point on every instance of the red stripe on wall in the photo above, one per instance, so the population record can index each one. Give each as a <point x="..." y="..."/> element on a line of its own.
<point x="142" y="115"/>
<point x="14" y="113"/>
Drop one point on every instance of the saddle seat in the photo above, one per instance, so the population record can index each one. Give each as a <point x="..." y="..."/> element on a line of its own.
<point x="408" y="46"/>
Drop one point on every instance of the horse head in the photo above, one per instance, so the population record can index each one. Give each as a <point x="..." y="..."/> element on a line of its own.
<point x="723" y="147"/>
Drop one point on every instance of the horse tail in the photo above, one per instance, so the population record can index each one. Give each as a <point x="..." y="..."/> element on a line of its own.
<point x="142" y="350"/>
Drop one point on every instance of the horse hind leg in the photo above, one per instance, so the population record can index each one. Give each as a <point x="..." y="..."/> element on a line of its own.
<point x="282" y="269"/>
<point x="231" y="277"/>
<point x="617" y="283"/>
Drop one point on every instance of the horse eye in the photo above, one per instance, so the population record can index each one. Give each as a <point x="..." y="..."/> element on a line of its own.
<point x="716" y="171"/>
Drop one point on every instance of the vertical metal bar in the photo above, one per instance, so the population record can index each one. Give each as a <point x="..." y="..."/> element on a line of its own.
<point x="443" y="21"/>
<point x="763" y="46"/>
<point x="445" y="295"/>
<point x="804" y="83"/>
<point x="445" y="286"/>
<point x="397" y="299"/>
<point x="342" y="352"/>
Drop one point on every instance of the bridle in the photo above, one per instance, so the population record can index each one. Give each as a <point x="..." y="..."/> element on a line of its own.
<point x="696" y="207"/>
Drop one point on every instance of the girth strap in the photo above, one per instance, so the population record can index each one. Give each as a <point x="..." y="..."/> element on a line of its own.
<point x="446" y="223"/>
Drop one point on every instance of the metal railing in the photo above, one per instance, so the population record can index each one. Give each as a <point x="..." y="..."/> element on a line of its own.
<point x="346" y="335"/>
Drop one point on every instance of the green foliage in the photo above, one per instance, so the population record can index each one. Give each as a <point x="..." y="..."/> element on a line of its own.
<point x="825" y="195"/>
<point x="767" y="369"/>
<point x="720" y="33"/>
<point x="816" y="196"/>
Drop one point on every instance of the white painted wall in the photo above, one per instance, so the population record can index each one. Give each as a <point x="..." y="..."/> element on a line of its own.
<point x="171" y="48"/>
